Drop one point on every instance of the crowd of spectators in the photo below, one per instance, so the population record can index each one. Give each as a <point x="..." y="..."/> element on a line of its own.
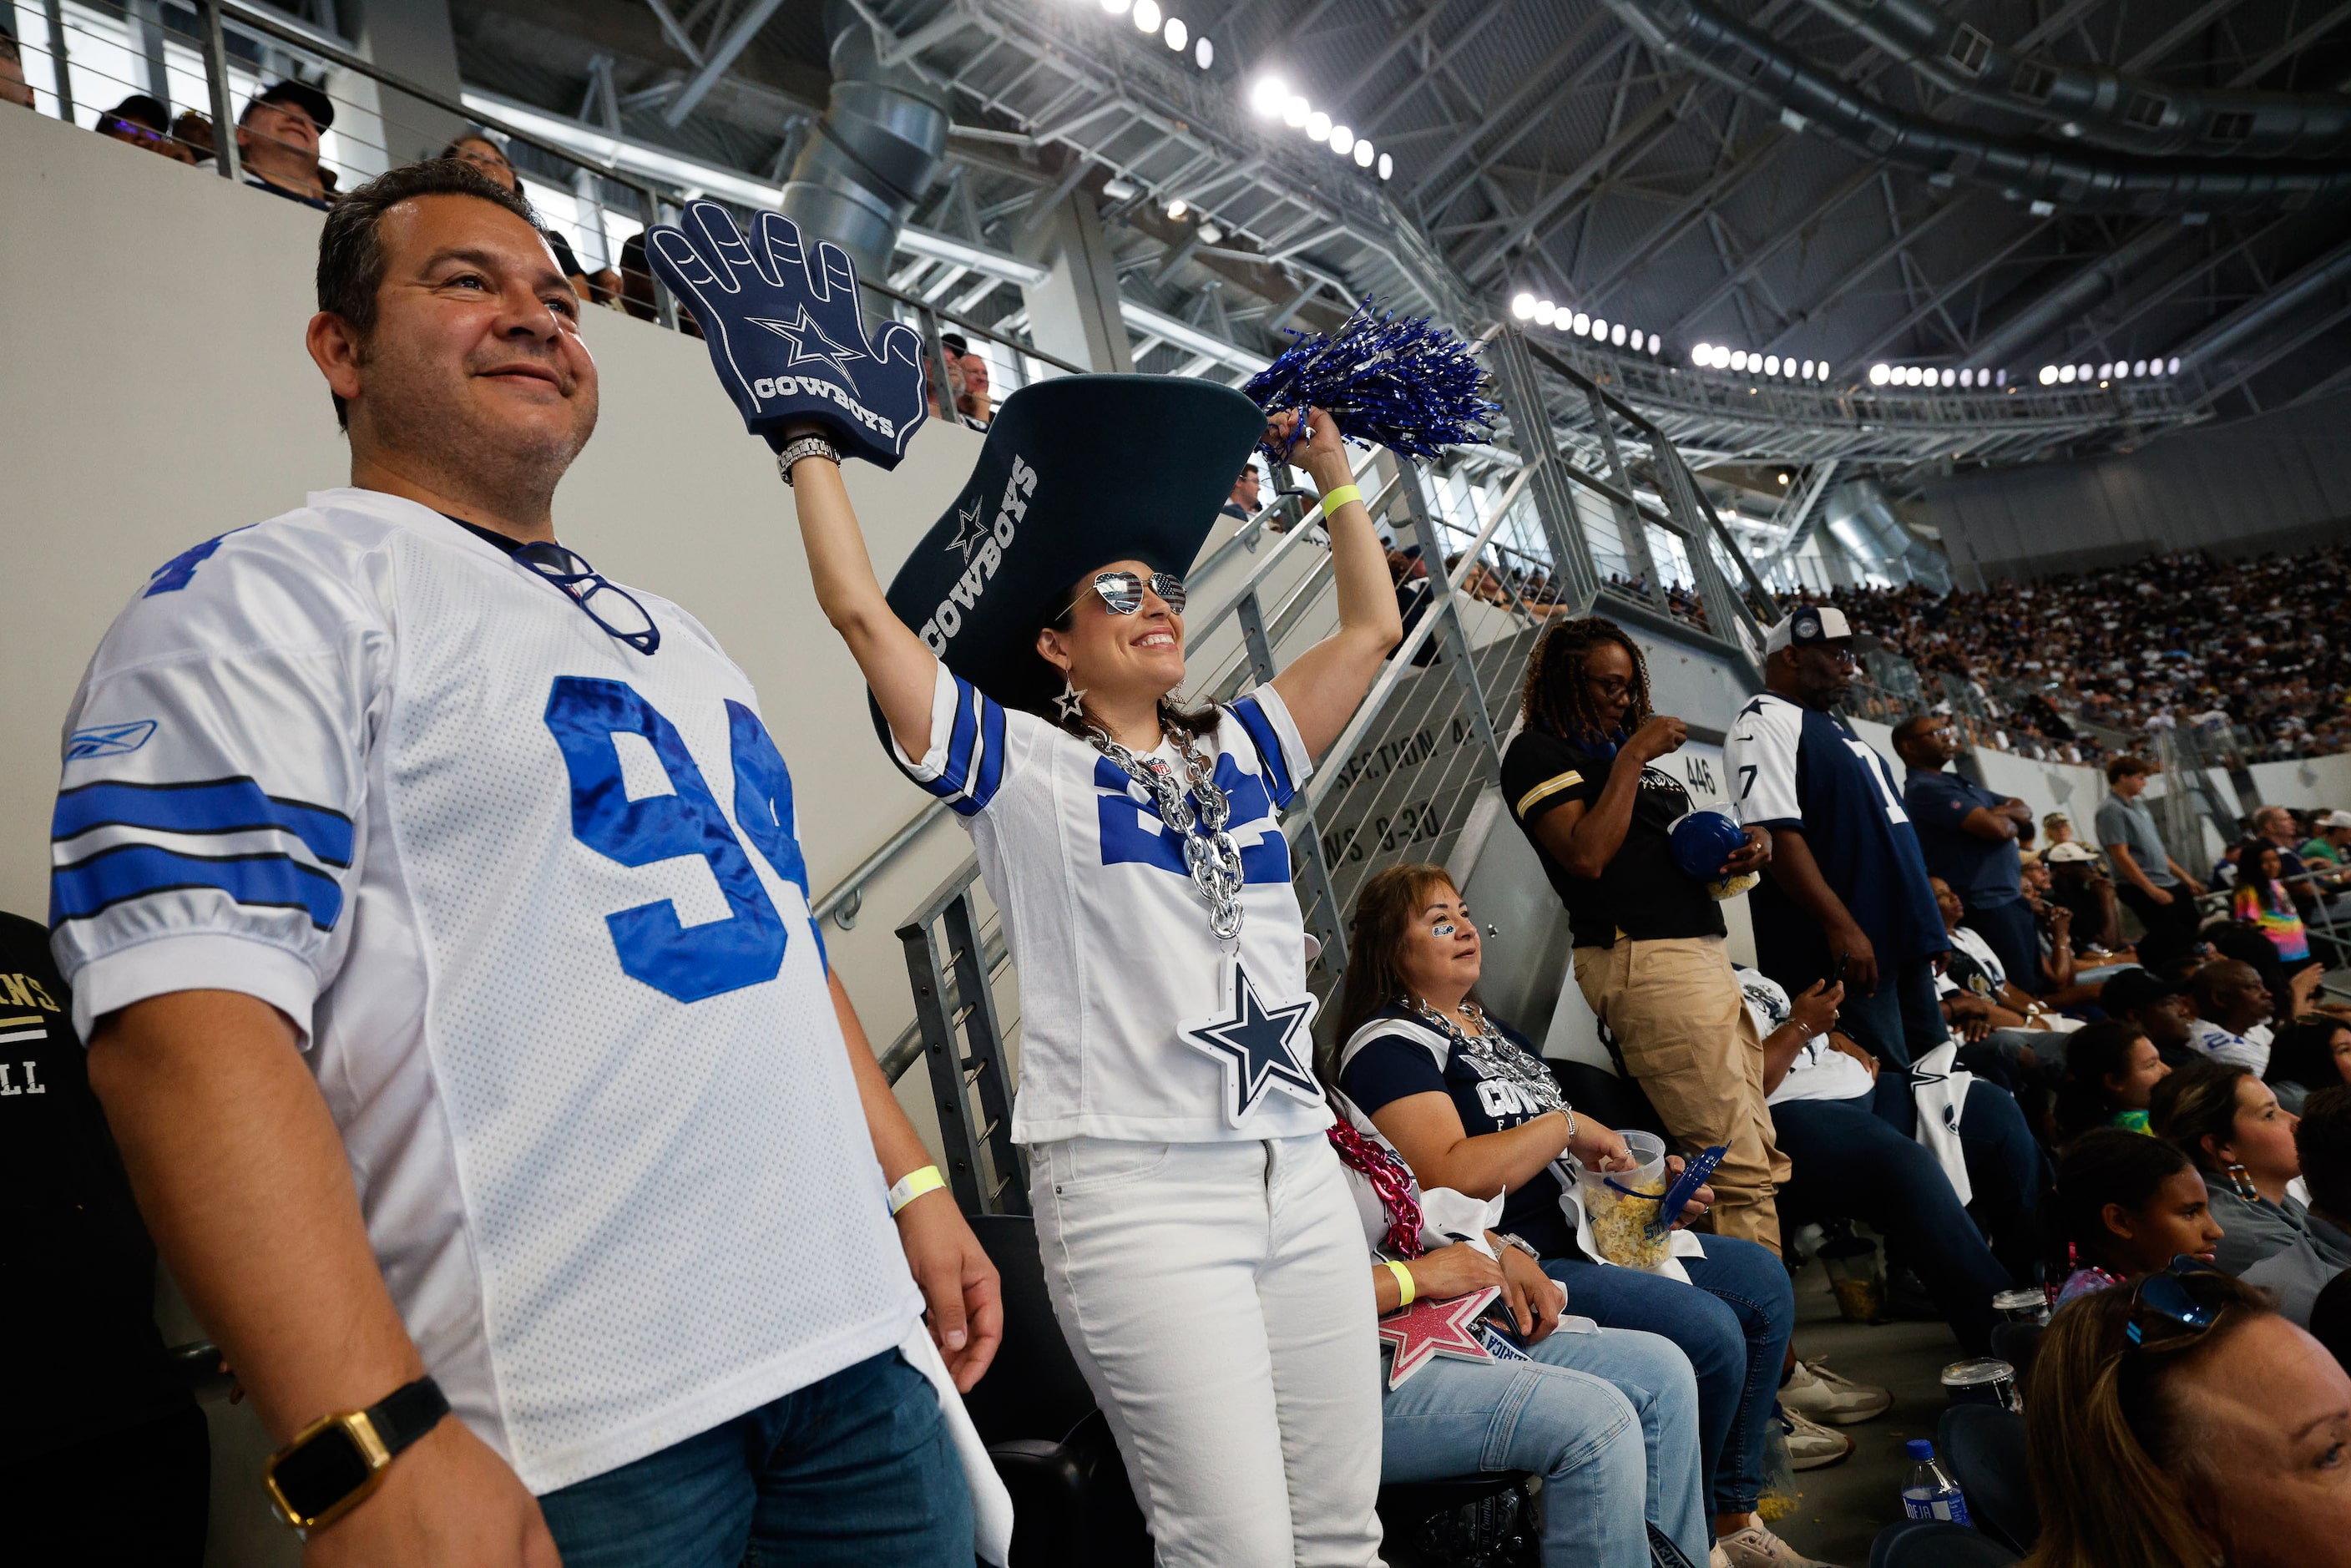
<point x="2178" y="640"/>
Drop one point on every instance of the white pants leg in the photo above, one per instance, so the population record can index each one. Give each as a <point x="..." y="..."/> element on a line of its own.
<point x="1218" y="1300"/>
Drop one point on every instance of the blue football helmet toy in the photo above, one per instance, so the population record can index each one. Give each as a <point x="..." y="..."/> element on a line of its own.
<point x="1703" y="840"/>
<point x="786" y="334"/>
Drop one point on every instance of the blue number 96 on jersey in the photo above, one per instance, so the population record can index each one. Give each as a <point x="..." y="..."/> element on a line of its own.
<point x="786" y="334"/>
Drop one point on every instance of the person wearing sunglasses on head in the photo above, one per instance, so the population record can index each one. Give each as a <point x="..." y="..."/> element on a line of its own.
<point x="2182" y="1423"/>
<point x="363" y="856"/>
<point x="1202" y="1252"/>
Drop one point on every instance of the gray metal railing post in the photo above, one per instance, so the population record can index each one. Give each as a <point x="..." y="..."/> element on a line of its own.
<point x="1573" y="575"/>
<point x="61" y="71"/>
<point x="983" y="1070"/>
<point x="962" y="1043"/>
<point x="225" y="152"/>
<point x="1447" y="604"/>
<point x="1631" y="530"/>
<point x="935" y="1021"/>
<point x="1723" y="610"/>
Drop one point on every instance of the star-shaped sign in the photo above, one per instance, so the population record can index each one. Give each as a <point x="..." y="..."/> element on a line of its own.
<point x="1253" y="1041"/>
<point x="809" y="343"/>
<point x="968" y="532"/>
<point x="1427" y="1329"/>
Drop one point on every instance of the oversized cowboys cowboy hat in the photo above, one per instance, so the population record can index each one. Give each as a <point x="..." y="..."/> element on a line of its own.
<point x="1077" y="473"/>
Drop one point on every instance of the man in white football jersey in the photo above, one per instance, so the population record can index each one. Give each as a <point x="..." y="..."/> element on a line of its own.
<point x="373" y="877"/>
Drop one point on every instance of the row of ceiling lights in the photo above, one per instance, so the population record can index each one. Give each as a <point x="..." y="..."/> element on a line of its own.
<point x="1929" y="376"/>
<point x="2116" y="371"/>
<point x="1714" y="356"/>
<point x="1270" y="96"/>
<point x="1149" y="19"/>
<point x="1543" y="313"/>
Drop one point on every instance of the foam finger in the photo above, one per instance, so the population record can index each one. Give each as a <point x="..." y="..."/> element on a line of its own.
<point x="722" y="243"/>
<point x="780" y="247"/>
<point x="681" y="265"/>
<point x="839" y="276"/>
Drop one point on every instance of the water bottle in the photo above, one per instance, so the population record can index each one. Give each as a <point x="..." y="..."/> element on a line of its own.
<point x="1931" y="1493"/>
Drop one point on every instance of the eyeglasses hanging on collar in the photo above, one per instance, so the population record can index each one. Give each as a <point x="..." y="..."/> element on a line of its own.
<point x="606" y="603"/>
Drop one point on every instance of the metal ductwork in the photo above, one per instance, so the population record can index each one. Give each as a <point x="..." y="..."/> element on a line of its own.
<point x="2137" y="114"/>
<point x="2287" y="296"/>
<point x="1861" y="518"/>
<point x="2098" y="280"/>
<point x="882" y="136"/>
<point x="1754" y="66"/>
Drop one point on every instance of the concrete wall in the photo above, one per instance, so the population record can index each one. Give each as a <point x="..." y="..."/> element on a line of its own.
<point x="2278" y="481"/>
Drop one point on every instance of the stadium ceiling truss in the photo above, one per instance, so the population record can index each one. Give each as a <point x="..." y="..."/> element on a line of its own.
<point x="1585" y="152"/>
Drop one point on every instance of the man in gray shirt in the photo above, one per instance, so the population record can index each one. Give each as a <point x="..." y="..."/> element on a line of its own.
<point x="2302" y="1270"/>
<point x="2146" y="876"/>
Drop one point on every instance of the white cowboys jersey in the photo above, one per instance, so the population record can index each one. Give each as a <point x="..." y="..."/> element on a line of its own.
<point x="1111" y="940"/>
<point x="536" y="900"/>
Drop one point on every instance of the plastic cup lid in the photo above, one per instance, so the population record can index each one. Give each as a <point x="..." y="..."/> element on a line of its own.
<point x="2027" y="1296"/>
<point x="1964" y="1374"/>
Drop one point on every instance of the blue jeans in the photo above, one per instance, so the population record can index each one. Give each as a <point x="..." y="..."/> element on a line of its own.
<point x="1608" y="1420"/>
<point x="2010" y="1172"/>
<point x="2008" y="929"/>
<point x="1732" y="1320"/>
<point x="1897" y="1023"/>
<point x="851" y="1470"/>
<point x="1850" y="1165"/>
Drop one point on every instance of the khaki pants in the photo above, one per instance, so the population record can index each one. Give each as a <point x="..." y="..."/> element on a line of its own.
<point x="1680" y="1022"/>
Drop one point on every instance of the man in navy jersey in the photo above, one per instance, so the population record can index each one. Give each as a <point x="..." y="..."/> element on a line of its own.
<point x="1845" y="896"/>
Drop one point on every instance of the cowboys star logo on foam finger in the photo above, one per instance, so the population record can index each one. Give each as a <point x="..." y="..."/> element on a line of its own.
<point x="784" y="328"/>
<point x="797" y="333"/>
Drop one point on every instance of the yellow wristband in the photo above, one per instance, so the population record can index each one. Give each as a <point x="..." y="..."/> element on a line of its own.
<point x="1404" y="1282"/>
<point x="1334" y="499"/>
<point x="913" y="1185"/>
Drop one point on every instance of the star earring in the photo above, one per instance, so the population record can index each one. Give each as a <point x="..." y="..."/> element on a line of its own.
<point x="1071" y="702"/>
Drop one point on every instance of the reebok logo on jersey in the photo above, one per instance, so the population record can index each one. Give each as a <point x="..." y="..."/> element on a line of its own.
<point x="108" y="739"/>
<point x="985" y="552"/>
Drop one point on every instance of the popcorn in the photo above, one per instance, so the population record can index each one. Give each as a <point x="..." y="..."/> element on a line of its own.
<point x="1620" y="1224"/>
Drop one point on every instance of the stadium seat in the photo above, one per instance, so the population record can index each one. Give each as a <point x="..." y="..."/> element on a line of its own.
<point x="1071" y="1505"/>
<point x="1934" y="1543"/>
<point x="2017" y="1344"/>
<point x="1618" y="1102"/>
<point x="1476" y="1521"/>
<point x="1983" y="1447"/>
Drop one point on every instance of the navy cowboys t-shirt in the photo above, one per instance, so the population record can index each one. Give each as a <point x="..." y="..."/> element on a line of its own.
<point x="1642" y="891"/>
<point x="1388" y="1068"/>
<point x="1795" y="766"/>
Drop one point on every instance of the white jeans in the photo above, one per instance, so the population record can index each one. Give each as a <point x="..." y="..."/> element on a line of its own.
<point x="1218" y="1298"/>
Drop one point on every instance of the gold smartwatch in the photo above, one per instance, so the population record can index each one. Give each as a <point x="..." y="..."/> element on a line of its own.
<point x="333" y="1463"/>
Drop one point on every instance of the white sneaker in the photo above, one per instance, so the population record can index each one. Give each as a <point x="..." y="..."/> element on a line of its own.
<point x="1757" y="1547"/>
<point x="1714" y="1557"/>
<point x="1816" y="1392"/>
<point x="1811" y="1445"/>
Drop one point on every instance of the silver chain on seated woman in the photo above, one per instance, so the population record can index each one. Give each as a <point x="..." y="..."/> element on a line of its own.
<point x="1491" y="1048"/>
<point x="1209" y="852"/>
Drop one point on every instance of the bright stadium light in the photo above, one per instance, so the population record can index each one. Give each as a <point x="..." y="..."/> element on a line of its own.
<point x="1343" y="140"/>
<point x="1770" y="364"/>
<point x="1387" y="166"/>
<point x="1146" y="15"/>
<point x="1616" y="334"/>
<point x="1266" y="94"/>
<point x="1294" y="110"/>
<point x="1581" y="325"/>
<point x="1522" y="306"/>
<point x="1318" y="127"/>
<point x="2048" y="375"/>
<point x="1116" y="7"/>
<point x="1177" y="34"/>
<point x="2106" y="371"/>
<point x="1967" y="376"/>
<point x="1656" y="344"/>
<point x="2066" y="373"/>
<point x="1701" y="354"/>
<point x="1178" y="208"/>
<point x="1824" y="370"/>
<point x="1879" y="374"/>
<point x="2081" y="372"/>
<point x="2173" y="369"/>
<point x="1808" y="370"/>
<point x="1738" y="359"/>
<point x="1948" y="378"/>
<point x="1204" y="54"/>
<point x="1546" y="313"/>
<point x="1362" y="155"/>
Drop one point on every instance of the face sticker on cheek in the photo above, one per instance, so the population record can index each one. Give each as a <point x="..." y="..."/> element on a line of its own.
<point x="1442" y="928"/>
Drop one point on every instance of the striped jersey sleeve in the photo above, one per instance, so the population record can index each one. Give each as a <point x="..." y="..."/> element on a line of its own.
<point x="970" y="734"/>
<point x="207" y="825"/>
<point x="1761" y="755"/>
<point x="1281" y="756"/>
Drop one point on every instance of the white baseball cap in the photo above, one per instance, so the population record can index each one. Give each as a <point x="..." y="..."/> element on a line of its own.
<point x="2335" y="820"/>
<point x="1811" y="623"/>
<point x="2067" y="855"/>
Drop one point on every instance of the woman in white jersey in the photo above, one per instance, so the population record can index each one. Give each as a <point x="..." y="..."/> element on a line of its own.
<point x="1198" y="1236"/>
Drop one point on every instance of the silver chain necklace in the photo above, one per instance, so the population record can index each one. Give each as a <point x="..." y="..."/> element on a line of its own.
<point x="1209" y="852"/>
<point x="1488" y="1047"/>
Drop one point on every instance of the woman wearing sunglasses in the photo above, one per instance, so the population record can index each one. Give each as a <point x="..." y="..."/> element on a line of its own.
<point x="1201" y="1248"/>
<point x="2181" y="1423"/>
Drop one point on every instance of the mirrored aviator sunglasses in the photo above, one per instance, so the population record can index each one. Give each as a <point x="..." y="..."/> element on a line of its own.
<point x="607" y="604"/>
<point x="2162" y="1301"/>
<point x="1122" y="591"/>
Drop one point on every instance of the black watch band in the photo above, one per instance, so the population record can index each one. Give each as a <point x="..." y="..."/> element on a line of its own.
<point x="333" y="1463"/>
<point x="407" y="1413"/>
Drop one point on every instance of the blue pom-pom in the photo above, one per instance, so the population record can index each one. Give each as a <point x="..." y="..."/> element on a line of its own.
<point x="1406" y="384"/>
